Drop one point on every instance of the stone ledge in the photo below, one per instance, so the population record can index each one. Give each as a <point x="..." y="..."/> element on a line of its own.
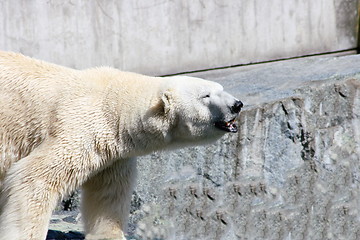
<point x="268" y="82"/>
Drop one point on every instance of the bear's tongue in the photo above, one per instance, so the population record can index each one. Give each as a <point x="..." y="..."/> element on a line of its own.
<point x="229" y="126"/>
<point x="232" y="126"/>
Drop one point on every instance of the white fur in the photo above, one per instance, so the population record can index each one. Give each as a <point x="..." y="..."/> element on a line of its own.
<point x="61" y="129"/>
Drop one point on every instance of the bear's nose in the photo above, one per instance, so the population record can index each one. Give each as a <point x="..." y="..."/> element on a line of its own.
<point x="236" y="108"/>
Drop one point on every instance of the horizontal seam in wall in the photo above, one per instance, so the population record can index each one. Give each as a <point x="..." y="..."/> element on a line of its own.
<point x="345" y="52"/>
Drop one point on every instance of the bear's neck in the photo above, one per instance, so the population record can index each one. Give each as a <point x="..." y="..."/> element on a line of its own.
<point x="137" y="131"/>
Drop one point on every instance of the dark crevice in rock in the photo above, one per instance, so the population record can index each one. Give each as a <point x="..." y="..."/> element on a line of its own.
<point x="208" y="177"/>
<point x="307" y="152"/>
<point x="136" y="202"/>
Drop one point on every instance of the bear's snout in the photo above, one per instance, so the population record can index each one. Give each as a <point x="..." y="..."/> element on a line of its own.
<point x="236" y="108"/>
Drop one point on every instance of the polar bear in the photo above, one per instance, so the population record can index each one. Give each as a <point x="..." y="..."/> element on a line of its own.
<point x="61" y="129"/>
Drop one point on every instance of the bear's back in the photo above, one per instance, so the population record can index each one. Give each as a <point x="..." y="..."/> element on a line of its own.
<point x="30" y="90"/>
<point x="40" y="100"/>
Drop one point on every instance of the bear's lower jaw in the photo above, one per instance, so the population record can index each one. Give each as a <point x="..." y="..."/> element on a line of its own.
<point x="228" y="126"/>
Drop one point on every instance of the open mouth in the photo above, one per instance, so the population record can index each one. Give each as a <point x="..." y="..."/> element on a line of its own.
<point x="228" y="126"/>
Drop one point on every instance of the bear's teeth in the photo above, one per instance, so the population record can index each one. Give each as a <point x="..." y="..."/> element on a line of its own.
<point x="228" y="126"/>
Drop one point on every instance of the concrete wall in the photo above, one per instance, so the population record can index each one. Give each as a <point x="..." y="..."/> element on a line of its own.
<point x="162" y="36"/>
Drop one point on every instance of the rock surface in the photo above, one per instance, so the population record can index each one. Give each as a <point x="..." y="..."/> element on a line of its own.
<point x="292" y="171"/>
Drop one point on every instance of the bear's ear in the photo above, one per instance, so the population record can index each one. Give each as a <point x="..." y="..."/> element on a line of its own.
<point x="166" y="99"/>
<point x="163" y="106"/>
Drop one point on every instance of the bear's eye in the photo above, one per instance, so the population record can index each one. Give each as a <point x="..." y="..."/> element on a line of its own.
<point x="206" y="96"/>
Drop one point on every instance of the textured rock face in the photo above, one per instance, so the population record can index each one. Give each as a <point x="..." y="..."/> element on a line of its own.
<point x="291" y="172"/>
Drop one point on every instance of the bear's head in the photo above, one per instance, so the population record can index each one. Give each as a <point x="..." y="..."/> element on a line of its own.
<point x="198" y="111"/>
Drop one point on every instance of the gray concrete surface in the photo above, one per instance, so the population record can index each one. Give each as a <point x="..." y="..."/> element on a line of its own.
<point x="163" y="37"/>
<point x="291" y="172"/>
<point x="264" y="83"/>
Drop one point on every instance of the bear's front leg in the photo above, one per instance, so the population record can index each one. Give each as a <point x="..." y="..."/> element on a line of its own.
<point x="106" y="200"/>
<point x="30" y="192"/>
